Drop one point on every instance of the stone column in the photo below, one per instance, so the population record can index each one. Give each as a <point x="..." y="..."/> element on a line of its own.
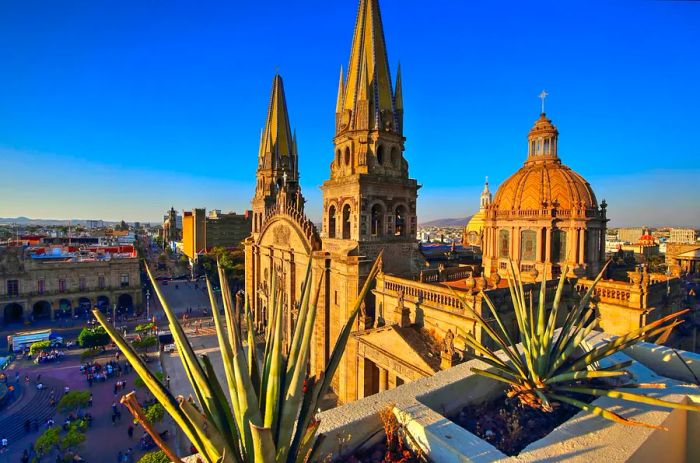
<point x="581" y="246"/>
<point x="383" y="379"/>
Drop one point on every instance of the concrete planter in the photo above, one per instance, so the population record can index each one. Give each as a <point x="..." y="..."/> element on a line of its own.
<point x="424" y="405"/>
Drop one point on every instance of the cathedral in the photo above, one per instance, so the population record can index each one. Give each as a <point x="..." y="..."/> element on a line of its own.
<point x="544" y="217"/>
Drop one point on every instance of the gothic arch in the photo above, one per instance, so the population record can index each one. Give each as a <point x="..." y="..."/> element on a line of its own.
<point x="332" y="226"/>
<point x="346" y="221"/>
<point x="380" y="154"/>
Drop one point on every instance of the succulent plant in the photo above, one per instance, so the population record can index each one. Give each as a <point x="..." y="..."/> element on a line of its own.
<point x="556" y="366"/>
<point x="273" y="400"/>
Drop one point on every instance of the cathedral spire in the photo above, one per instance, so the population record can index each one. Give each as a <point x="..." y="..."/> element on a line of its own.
<point x="277" y="140"/>
<point x="341" y="87"/>
<point x="372" y="94"/>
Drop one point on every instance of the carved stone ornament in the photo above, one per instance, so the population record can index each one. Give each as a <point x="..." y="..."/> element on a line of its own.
<point x="281" y="235"/>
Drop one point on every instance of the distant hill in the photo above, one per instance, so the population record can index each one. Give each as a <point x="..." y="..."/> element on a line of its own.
<point x="446" y="222"/>
<point x="28" y="221"/>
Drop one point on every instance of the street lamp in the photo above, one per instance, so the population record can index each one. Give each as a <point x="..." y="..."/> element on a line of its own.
<point x="148" y="305"/>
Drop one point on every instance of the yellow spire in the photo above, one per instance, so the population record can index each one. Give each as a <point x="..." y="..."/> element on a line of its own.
<point x="341" y="89"/>
<point x="398" y="93"/>
<point x="277" y="134"/>
<point x="368" y="56"/>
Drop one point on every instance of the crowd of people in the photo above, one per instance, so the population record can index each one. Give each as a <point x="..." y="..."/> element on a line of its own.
<point x="95" y="371"/>
<point x="53" y="355"/>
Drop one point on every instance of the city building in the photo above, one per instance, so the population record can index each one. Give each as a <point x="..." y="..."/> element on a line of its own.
<point x="202" y="231"/>
<point x="544" y="217"/>
<point x="172" y="226"/>
<point x="683" y="258"/>
<point x="645" y="247"/>
<point x="683" y="235"/>
<point x="630" y="235"/>
<point x="473" y="232"/>
<point x="48" y="282"/>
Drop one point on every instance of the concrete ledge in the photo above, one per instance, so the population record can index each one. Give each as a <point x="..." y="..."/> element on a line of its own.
<point x="423" y="406"/>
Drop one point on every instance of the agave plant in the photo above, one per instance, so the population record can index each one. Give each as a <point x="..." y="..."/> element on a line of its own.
<point x="551" y="366"/>
<point x="273" y="400"/>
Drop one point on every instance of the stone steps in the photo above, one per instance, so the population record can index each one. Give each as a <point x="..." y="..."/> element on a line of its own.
<point x="34" y="405"/>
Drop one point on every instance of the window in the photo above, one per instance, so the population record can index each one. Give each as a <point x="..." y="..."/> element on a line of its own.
<point x="101" y="282"/>
<point x="504" y="244"/>
<point x="377" y="220"/>
<point x="346" y="222"/>
<point x="61" y="285"/>
<point x="81" y="284"/>
<point x="13" y="287"/>
<point x="528" y="244"/>
<point x="331" y="222"/>
<point x="558" y="246"/>
<point x="400" y="221"/>
<point x="380" y="155"/>
<point x="41" y="286"/>
<point x="124" y="280"/>
<point x="347" y="156"/>
<point x="335" y="297"/>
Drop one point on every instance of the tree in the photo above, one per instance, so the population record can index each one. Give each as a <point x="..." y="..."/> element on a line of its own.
<point x="93" y="337"/>
<point x="154" y="457"/>
<point x="155" y="413"/>
<point x="72" y="439"/>
<point x="145" y="343"/>
<point x="47" y="442"/>
<point x="74" y="400"/>
<point x="39" y="346"/>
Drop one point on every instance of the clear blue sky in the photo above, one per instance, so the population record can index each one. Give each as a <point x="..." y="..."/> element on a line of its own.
<point x="120" y="109"/>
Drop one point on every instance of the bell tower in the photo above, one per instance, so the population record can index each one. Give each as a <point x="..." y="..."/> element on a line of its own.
<point x="369" y="200"/>
<point x="278" y="170"/>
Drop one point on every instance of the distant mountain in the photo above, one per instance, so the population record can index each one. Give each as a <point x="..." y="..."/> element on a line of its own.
<point x="28" y="221"/>
<point x="446" y="222"/>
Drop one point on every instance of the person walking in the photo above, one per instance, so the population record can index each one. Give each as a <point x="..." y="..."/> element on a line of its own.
<point x="167" y="381"/>
<point x="120" y="457"/>
<point x="90" y="401"/>
<point x="3" y="444"/>
<point x="130" y="431"/>
<point x="25" y="456"/>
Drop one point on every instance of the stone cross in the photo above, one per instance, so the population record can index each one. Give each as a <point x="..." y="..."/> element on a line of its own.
<point x="543" y="95"/>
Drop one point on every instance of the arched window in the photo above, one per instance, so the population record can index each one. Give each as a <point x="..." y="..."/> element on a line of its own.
<point x="377" y="220"/>
<point x="400" y="221"/>
<point x="346" y="222"/>
<point x="347" y="156"/>
<point x="331" y="222"/>
<point x="558" y="246"/>
<point x="528" y="245"/>
<point x="503" y="244"/>
<point x="546" y="146"/>
<point x="380" y="155"/>
<point x="337" y="157"/>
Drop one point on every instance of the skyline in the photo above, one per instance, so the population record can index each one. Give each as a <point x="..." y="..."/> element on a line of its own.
<point x="158" y="87"/>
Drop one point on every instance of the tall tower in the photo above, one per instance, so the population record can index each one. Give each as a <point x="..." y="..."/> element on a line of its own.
<point x="278" y="167"/>
<point x="485" y="196"/>
<point x="369" y="200"/>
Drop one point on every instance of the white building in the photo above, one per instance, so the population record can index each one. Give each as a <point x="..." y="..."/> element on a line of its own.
<point x="682" y="235"/>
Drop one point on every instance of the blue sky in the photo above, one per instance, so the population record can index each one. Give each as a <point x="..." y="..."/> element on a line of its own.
<point x="120" y="109"/>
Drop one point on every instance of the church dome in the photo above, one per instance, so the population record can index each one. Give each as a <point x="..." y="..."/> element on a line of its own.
<point x="543" y="181"/>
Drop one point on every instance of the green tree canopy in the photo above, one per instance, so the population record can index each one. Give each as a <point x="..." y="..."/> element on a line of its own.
<point x="39" y="346"/>
<point x="93" y="337"/>
<point x="72" y="439"/>
<point x="145" y="343"/>
<point x="47" y="442"/>
<point x="155" y="413"/>
<point x="74" y="400"/>
<point x="138" y="382"/>
<point x="154" y="457"/>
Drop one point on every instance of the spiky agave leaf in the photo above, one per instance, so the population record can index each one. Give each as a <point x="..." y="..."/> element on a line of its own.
<point x="550" y="368"/>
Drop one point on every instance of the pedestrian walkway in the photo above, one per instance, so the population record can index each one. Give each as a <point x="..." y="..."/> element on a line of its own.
<point x="34" y="405"/>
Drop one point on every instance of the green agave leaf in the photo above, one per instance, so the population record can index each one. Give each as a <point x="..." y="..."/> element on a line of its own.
<point x="214" y="443"/>
<point x="600" y="411"/>
<point x="264" y="446"/>
<point x="159" y="391"/>
<point x="587" y="374"/>
<point x="615" y="394"/>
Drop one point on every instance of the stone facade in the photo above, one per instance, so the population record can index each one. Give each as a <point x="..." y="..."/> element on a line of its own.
<point x="35" y="289"/>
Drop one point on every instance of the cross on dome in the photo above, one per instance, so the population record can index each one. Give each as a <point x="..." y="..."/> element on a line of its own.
<point x="543" y="95"/>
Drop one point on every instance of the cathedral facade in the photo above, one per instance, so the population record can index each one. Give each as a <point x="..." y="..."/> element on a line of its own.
<point x="544" y="217"/>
